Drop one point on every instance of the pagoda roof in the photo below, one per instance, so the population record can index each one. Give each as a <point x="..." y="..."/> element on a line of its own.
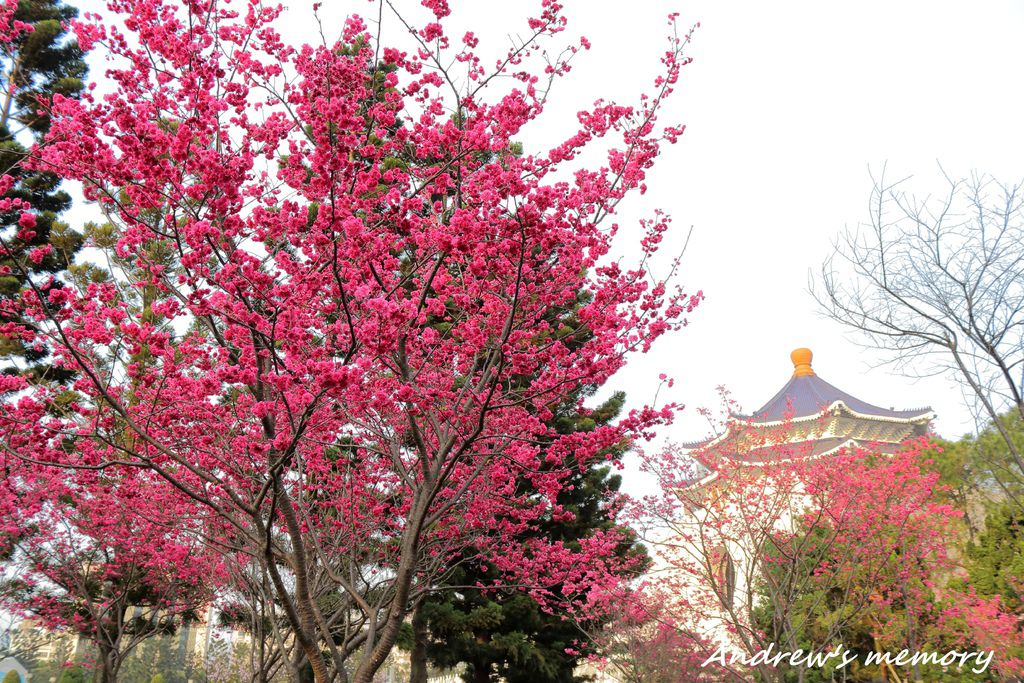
<point x="807" y="397"/>
<point x="812" y="448"/>
<point x="704" y="472"/>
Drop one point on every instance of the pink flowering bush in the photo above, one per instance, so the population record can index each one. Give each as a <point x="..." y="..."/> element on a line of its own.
<point x="852" y="548"/>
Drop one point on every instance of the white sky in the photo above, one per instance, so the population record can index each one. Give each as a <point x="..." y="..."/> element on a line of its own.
<point x="787" y="104"/>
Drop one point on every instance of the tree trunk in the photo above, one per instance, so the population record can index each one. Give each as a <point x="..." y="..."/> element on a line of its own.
<point x="301" y="616"/>
<point x="12" y="79"/>
<point x="418" y="655"/>
<point x="109" y="666"/>
<point x="481" y="674"/>
<point x="378" y="653"/>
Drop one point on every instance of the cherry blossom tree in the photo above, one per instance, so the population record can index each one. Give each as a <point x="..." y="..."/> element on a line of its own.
<point x="802" y="551"/>
<point x="648" y="639"/>
<point x="331" y="311"/>
<point x="81" y="559"/>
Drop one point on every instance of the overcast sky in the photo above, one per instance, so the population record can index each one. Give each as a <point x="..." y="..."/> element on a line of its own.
<point x="787" y="105"/>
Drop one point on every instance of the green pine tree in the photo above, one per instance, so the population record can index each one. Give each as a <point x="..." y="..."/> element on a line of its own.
<point x="996" y="558"/>
<point x="505" y="634"/>
<point x="12" y="677"/>
<point x="35" y="66"/>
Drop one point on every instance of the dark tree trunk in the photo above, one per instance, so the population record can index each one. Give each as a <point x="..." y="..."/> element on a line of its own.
<point x="418" y="655"/>
<point x="109" y="665"/>
<point x="481" y="673"/>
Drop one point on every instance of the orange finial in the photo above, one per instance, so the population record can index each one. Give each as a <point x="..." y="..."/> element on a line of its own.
<point x="802" y="362"/>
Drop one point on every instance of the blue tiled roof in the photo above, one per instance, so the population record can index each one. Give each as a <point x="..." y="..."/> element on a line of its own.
<point x="806" y="396"/>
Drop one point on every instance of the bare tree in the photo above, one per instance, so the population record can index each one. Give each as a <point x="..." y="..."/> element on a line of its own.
<point x="938" y="283"/>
